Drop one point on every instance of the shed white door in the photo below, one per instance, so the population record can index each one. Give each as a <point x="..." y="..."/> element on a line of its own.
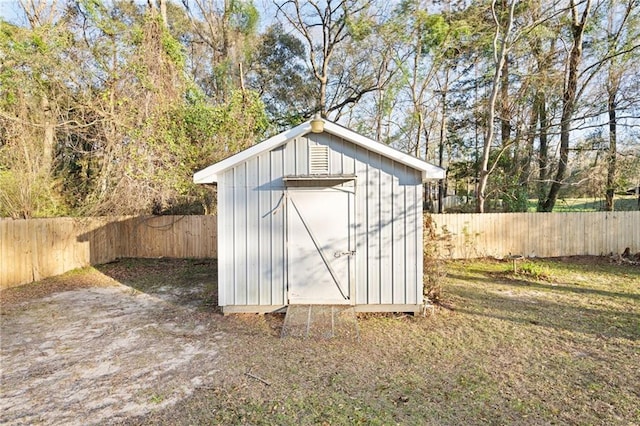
<point x="320" y="245"/>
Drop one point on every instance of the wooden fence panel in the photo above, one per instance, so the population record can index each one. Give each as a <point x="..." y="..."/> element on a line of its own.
<point x="34" y="249"/>
<point x="39" y="248"/>
<point x="539" y="234"/>
<point x="170" y="236"/>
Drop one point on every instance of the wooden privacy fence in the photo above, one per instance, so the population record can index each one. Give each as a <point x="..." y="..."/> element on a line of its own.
<point x="38" y="248"/>
<point x="537" y="234"/>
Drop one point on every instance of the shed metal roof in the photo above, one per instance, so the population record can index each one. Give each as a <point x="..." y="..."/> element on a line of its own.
<point x="211" y="173"/>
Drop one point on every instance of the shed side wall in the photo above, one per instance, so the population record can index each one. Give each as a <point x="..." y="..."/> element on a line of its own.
<point x="252" y="255"/>
<point x="251" y="229"/>
<point x="388" y="227"/>
<point x="388" y="222"/>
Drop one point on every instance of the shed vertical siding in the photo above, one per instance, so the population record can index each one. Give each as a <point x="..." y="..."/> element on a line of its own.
<point x="372" y="202"/>
<point x="276" y="228"/>
<point x="399" y="218"/>
<point x="226" y="246"/>
<point x="265" y="224"/>
<point x="387" y="226"/>
<point x="240" y="235"/>
<point x="387" y="185"/>
<point x="362" y="226"/>
<point x="415" y="209"/>
<point x="252" y="255"/>
<point x="254" y="217"/>
<point x="252" y="223"/>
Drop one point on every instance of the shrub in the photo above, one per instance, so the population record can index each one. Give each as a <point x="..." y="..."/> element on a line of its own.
<point x="434" y="265"/>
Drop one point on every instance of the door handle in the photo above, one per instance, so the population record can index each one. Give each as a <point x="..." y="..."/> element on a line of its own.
<point x="344" y="253"/>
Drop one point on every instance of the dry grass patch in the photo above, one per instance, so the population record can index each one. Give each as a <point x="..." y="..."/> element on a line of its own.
<point x="513" y="349"/>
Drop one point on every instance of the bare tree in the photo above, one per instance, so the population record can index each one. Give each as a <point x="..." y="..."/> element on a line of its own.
<point x="622" y="36"/>
<point x="502" y="42"/>
<point x="327" y="27"/>
<point x="570" y="96"/>
<point x="41" y="13"/>
<point x="227" y="31"/>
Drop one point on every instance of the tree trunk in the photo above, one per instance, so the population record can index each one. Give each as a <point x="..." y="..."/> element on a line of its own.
<point x="525" y="160"/>
<point x="419" y="135"/>
<point x="543" y="158"/>
<point x="505" y="124"/>
<point x="568" y="102"/>
<point x="322" y="98"/>
<point x="48" y="141"/>
<point x="417" y="108"/>
<point x="500" y="59"/>
<point x="611" y="164"/>
<point x="163" y="11"/>
<point x="226" y="18"/>
<point x="543" y="60"/>
<point x="441" y="146"/>
<point x="379" y="115"/>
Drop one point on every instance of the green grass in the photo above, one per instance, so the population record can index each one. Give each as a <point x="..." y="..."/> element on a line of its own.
<point x="621" y="203"/>
<point x="558" y="343"/>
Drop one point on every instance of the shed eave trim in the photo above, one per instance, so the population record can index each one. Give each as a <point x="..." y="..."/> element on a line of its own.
<point x="428" y="170"/>
<point x="210" y="174"/>
<point x="433" y="173"/>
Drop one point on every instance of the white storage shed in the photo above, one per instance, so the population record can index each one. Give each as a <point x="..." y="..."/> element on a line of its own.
<point x="320" y="217"/>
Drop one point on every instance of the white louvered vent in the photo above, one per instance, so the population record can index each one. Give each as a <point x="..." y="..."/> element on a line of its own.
<point x="319" y="160"/>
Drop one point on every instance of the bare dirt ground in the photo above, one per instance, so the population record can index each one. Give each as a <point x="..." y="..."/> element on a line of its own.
<point x="143" y="342"/>
<point x="92" y="350"/>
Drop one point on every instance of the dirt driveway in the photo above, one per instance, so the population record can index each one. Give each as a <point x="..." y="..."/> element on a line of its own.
<point x="104" y="351"/>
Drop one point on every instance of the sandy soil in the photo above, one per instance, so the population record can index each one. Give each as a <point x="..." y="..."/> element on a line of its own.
<point x="101" y="354"/>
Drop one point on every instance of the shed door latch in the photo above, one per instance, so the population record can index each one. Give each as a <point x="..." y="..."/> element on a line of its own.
<point x="344" y="253"/>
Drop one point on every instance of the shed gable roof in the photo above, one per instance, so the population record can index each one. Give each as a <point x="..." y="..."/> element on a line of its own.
<point x="210" y="174"/>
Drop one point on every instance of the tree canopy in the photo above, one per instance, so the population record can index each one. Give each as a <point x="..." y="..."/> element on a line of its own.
<point x="108" y="107"/>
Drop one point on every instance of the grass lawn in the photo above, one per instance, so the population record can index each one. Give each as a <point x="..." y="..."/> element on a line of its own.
<point x="621" y="203"/>
<point x="557" y="343"/>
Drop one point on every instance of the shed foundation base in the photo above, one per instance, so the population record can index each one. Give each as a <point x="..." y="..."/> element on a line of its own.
<point x="415" y="309"/>
<point x="254" y="309"/>
<point x="269" y="309"/>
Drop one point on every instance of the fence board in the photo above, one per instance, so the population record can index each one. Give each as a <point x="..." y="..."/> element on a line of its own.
<point x="540" y="234"/>
<point x="38" y="248"/>
<point x="34" y="249"/>
<point x="169" y="236"/>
